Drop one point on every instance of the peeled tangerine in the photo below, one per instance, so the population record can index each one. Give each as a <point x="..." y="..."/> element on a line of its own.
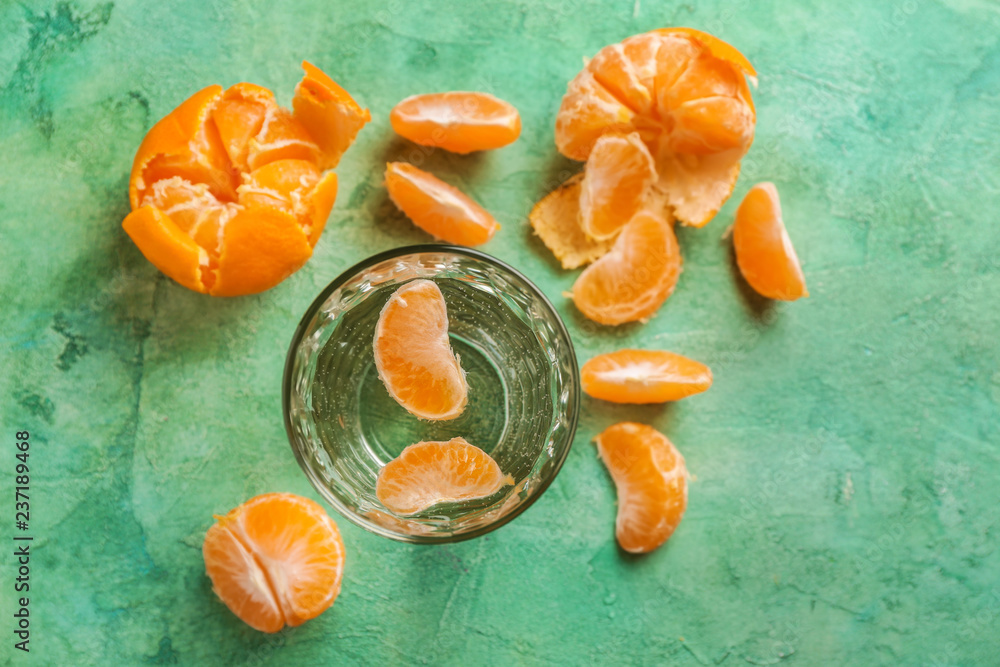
<point x="413" y="353"/>
<point x="651" y="481"/>
<point x="643" y="376"/>
<point x="764" y="252"/>
<point x="460" y="122"/>
<point x="275" y="560"/>
<point x="685" y="93"/>
<point x="429" y="473"/>
<point x="439" y="209"/>
<point x="636" y="276"/>
<point x="228" y="191"/>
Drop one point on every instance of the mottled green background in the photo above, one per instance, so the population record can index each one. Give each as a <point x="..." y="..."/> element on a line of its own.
<point x="847" y="459"/>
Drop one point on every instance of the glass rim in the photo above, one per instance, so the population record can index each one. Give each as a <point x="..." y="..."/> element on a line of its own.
<point x="314" y="307"/>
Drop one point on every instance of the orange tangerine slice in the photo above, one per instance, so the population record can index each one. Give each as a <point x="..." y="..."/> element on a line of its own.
<point x="589" y="111"/>
<point x="429" y="473"/>
<point x="243" y="266"/>
<point x="184" y="144"/>
<point x="439" y="209"/>
<point x="634" y="279"/>
<point x="685" y="93"/>
<point x="275" y="560"/>
<point x="194" y="209"/>
<point x="239" y="116"/>
<point x="616" y="182"/>
<point x="281" y="137"/>
<point x="413" y="354"/>
<point x="627" y="71"/>
<point x="643" y="376"/>
<point x="282" y="184"/>
<point x="460" y="122"/>
<point x="651" y="481"/>
<point x="556" y="221"/>
<point x="764" y="252"/>
<point x="236" y="159"/>
<point x="296" y="187"/>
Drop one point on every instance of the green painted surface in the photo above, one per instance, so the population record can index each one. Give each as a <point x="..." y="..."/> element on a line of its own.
<point x="847" y="463"/>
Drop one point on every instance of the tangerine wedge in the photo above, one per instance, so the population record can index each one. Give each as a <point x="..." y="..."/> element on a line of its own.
<point x="460" y="122"/>
<point x="764" y="252"/>
<point x="294" y="186"/>
<point x="439" y="209"/>
<point x="651" y="481"/>
<point x="643" y="376"/>
<point x="275" y="560"/>
<point x="184" y="144"/>
<point x="413" y="354"/>
<point x="619" y="173"/>
<point x="636" y="276"/>
<point x="194" y="209"/>
<point x="239" y="117"/>
<point x="556" y="221"/>
<point x="685" y="93"/>
<point x="429" y="473"/>
<point x="228" y="191"/>
<point x="281" y="137"/>
<point x="588" y="111"/>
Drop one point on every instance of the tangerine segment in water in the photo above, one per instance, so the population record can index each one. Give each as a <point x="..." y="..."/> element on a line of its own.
<point x="651" y="481"/>
<point x="460" y="122"/>
<point x="275" y="560"/>
<point x="429" y="473"/>
<point x="439" y="209"/>
<point x="764" y="252"/>
<point x="413" y="353"/>
<point x="643" y="376"/>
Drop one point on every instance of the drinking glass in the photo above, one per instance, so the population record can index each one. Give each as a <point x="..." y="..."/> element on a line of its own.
<point x="520" y="366"/>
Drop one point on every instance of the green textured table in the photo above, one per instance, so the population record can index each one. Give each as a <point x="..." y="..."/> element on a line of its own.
<point x="846" y="502"/>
